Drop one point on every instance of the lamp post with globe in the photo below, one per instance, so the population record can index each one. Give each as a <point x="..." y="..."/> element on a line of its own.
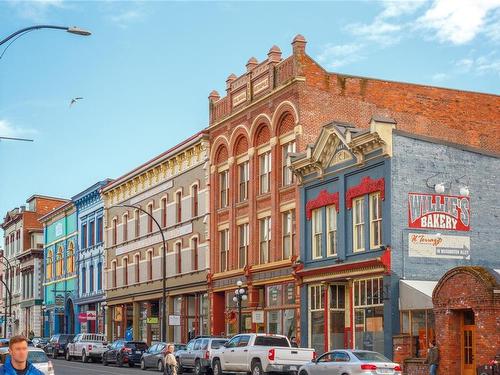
<point x="240" y="295"/>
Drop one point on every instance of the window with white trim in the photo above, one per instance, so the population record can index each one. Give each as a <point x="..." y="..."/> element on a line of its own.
<point x="375" y="220"/>
<point x="331" y="230"/>
<point x="243" y="245"/>
<point x="288" y="233"/>
<point x="358" y="224"/>
<point x="224" y="249"/>
<point x="288" y="177"/>
<point x="223" y="189"/>
<point x="317" y="233"/>
<point x="244" y="177"/>
<point x="265" y="172"/>
<point x="264" y="239"/>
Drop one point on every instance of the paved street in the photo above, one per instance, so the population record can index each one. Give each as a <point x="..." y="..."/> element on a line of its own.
<point x="63" y="367"/>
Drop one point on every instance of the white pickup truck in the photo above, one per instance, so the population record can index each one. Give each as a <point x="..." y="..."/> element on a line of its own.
<point x="86" y="346"/>
<point x="259" y="354"/>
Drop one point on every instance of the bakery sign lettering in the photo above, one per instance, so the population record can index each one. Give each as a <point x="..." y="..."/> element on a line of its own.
<point x="437" y="211"/>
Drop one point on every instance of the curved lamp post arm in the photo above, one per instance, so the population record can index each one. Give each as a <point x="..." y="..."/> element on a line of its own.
<point x="72" y="30"/>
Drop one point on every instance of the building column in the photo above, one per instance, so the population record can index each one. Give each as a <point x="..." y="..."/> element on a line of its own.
<point x="109" y="324"/>
<point x="136" y="308"/>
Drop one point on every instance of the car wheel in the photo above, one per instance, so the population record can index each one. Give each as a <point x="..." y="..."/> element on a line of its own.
<point x="68" y="357"/>
<point x="197" y="367"/>
<point x="160" y="365"/>
<point x="85" y="359"/>
<point x="104" y="360"/>
<point x="131" y="364"/>
<point x="257" y="368"/>
<point x="217" y="370"/>
<point x="303" y="373"/>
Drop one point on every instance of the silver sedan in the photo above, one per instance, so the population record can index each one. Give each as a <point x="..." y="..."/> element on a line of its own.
<point x="351" y="362"/>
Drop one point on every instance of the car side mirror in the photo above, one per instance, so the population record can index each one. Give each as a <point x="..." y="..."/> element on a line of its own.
<point x="226" y="345"/>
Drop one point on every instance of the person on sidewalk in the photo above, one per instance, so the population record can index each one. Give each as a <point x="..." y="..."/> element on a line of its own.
<point x="17" y="361"/>
<point x="432" y="357"/>
<point x="170" y="361"/>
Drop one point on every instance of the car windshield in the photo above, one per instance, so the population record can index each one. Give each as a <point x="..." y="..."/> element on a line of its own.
<point x="180" y="347"/>
<point x="65" y="339"/>
<point x="216" y="344"/>
<point x="137" y="345"/>
<point x="37" y="357"/>
<point x="371" y="356"/>
<point x="271" y="341"/>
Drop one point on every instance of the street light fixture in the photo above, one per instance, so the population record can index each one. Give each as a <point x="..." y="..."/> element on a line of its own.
<point x="72" y="30"/>
<point x="240" y="295"/>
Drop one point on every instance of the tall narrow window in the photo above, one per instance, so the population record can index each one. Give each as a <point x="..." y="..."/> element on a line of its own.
<point x="264" y="239"/>
<point x="244" y="177"/>
<point x="317" y="233"/>
<point x="114" y="231"/>
<point x="50" y="265"/>
<point x="178" y="248"/>
<point x="113" y="274"/>
<point x="265" y="172"/>
<point x="194" y="195"/>
<point x="137" y="220"/>
<point x="99" y="230"/>
<point x="91" y="278"/>
<point x="194" y="246"/>
<point x="164" y="212"/>
<point x="287" y="175"/>
<point x="375" y="220"/>
<point x="358" y="223"/>
<point x="288" y="233"/>
<point x="150" y="218"/>
<point x="70" y="259"/>
<point x="59" y="262"/>
<point x="84" y="236"/>
<point x="125" y="227"/>
<point x="224" y="249"/>
<point x="125" y="271"/>
<point x="84" y="280"/>
<point x="243" y="245"/>
<point x="150" y="265"/>
<point x="223" y="189"/>
<point x="99" y="276"/>
<point x="92" y="233"/>
<point x="178" y="206"/>
<point x="331" y="225"/>
<point x="137" y="261"/>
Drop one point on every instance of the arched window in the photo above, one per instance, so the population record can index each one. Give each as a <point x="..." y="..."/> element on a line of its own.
<point x="70" y="260"/>
<point x="59" y="261"/>
<point x="50" y="264"/>
<point x="125" y="271"/>
<point x="113" y="274"/>
<point x="137" y="260"/>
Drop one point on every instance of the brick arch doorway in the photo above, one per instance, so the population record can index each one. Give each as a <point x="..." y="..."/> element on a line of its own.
<point x="465" y="310"/>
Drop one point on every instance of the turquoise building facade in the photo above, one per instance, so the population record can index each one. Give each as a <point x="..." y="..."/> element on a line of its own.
<point x="60" y="276"/>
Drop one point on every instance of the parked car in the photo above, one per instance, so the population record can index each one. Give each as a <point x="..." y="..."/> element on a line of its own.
<point x="260" y="353"/>
<point x="87" y="346"/>
<point x="4" y="342"/>
<point x="155" y="355"/>
<point x="121" y="352"/>
<point x="37" y="357"/>
<point x="40" y="342"/>
<point x="198" y="354"/>
<point x="57" y="345"/>
<point x="352" y="362"/>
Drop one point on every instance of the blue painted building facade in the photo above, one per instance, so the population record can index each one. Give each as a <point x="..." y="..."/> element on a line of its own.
<point x="90" y="259"/>
<point x="60" y="276"/>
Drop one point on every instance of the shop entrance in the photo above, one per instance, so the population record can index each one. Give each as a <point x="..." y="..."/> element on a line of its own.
<point x="468" y="343"/>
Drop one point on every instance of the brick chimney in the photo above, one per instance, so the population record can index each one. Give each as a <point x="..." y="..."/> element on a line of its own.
<point x="274" y="54"/>
<point x="252" y="63"/>
<point x="299" y="45"/>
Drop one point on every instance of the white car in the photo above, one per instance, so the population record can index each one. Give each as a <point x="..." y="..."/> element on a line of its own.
<point x="86" y="346"/>
<point x="351" y="362"/>
<point x="37" y="357"/>
<point x="260" y="353"/>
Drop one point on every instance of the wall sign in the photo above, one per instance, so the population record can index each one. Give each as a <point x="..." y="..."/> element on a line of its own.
<point x="258" y="316"/>
<point x="59" y="229"/>
<point x="437" y="211"/>
<point x="174" y="320"/>
<point x="438" y="246"/>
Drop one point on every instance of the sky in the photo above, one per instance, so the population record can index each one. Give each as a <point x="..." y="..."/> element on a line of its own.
<point x="147" y="69"/>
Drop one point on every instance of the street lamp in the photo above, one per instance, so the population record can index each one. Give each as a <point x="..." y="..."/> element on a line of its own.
<point x="72" y="30"/>
<point x="163" y="269"/>
<point x="240" y="295"/>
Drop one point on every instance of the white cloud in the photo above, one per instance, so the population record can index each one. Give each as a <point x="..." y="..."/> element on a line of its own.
<point x="36" y="10"/>
<point x="124" y="18"/>
<point x="440" y="77"/>
<point x="378" y="31"/>
<point x="457" y="21"/>
<point x="9" y="130"/>
<point x="334" y="56"/>
<point x="395" y="8"/>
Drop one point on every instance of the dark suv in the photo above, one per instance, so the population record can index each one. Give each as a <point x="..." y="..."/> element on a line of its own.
<point x="121" y="352"/>
<point x="57" y="344"/>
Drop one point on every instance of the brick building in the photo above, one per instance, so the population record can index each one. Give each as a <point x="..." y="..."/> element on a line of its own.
<point x="278" y="107"/>
<point x="23" y="238"/>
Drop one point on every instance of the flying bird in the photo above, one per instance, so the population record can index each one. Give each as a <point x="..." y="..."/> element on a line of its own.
<point x="73" y="101"/>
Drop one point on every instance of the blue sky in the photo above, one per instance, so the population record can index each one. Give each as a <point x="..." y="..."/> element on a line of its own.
<point x="148" y="68"/>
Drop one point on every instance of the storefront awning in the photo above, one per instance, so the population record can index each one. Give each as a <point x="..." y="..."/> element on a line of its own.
<point x="416" y="294"/>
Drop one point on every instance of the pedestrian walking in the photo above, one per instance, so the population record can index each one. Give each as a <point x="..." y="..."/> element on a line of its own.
<point x="432" y="358"/>
<point x="170" y="361"/>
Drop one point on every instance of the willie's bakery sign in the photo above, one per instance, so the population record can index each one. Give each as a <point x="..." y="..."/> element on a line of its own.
<point x="437" y="211"/>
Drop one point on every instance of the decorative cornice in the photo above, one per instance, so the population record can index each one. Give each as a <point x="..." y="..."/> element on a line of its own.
<point x="366" y="186"/>
<point x="324" y="198"/>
